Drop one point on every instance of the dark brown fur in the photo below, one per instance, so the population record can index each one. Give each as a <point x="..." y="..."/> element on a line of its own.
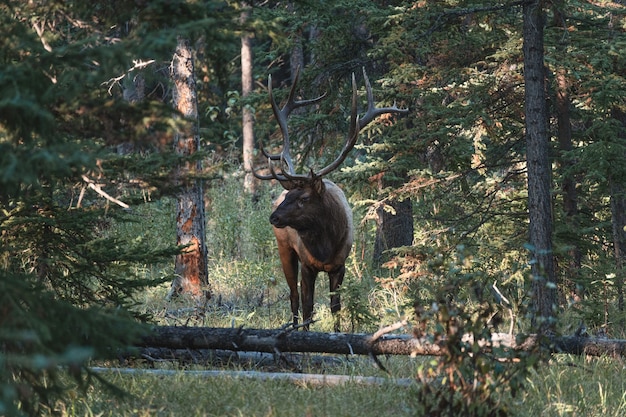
<point x="313" y="225"/>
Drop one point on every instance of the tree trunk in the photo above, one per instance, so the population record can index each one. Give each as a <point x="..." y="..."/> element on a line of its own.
<point x="134" y="91"/>
<point x="296" y="58"/>
<point x="394" y="225"/>
<point x="281" y="341"/>
<point x="190" y="265"/>
<point x="566" y="164"/>
<point x="247" y="82"/>
<point x="544" y="289"/>
<point x="568" y="186"/>
<point x="298" y="378"/>
<point x="618" y="217"/>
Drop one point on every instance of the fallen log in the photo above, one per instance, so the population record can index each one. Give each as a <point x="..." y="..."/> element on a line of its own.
<point x="218" y="357"/>
<point x="311" y="379"/>
<point x="280" y="341"/>
<point x="273" y="341"/>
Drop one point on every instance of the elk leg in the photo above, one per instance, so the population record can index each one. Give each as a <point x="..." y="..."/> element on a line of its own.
<point x="289" y="260"/>
<point x="336" y="279"/>
<point x="307" y="293"/>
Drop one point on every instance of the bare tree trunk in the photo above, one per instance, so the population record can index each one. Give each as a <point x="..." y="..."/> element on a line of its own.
<point x="544" y="288"/>
<point x="568" y="182"/>
<point x="247" y="82"/>
<point x="190" y="265"/>
<point x="296" y="59"/>
<point x="299" y="378"/>
<point x="566" y="163"/>
<point x="134" y="91"/>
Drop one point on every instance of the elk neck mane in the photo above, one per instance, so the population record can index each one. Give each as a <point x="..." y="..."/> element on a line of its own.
<point x="334" y="234"/>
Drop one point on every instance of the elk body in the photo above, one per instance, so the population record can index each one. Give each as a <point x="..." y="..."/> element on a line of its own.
<point x="313" y="225"/>
<point x="312" y="219"/>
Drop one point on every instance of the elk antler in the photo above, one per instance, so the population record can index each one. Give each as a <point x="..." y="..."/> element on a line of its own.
<point x="356" y="123"/>
<point x="287" y="172"/>
<point x="281" y="116"/>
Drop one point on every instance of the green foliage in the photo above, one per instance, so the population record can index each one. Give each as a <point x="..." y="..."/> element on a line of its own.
<point x="69" y="286"/>
<point x="461" y="154"/>
<point x="356" y="305"/>
<point x="474" y="376"/>
<point x="254" y="295"/>
<point x="41" y="336"/>
<point x="238" y="223"/>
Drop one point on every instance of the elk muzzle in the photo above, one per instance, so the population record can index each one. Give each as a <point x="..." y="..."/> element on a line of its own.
<point x="275" y="220"/>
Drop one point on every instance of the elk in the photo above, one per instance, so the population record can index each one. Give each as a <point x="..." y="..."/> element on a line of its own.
<point x="311" y="219"/>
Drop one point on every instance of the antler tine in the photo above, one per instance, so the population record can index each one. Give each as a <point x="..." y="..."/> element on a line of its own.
<point x="281" y="116"/>
<point x="273" y="175"/>
<point x="270" y="157"/>
<point x="372" y="110"/>
<point x="291" y="102"/>
<point x="356" y="123"/>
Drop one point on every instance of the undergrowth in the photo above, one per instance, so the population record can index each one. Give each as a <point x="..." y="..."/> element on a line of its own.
<point x="446" y="300"/>
<point x="566" y="386"/>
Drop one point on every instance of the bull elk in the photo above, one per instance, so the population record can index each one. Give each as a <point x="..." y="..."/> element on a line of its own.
<point x="312" y="219"/>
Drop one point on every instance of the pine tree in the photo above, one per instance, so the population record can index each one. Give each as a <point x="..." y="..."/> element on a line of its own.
<point x="67" y="285"/>
<point x="191" y="263"/>
<point x="544" y="289"/>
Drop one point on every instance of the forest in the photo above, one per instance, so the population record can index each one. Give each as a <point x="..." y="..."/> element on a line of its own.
<point x="133" y="133"/>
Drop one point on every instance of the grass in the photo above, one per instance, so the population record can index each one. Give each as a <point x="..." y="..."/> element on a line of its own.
<point x="577" y="386"/>
<point x="569" y="386"/>
<point x="184" y="395"/>
<point x="249" y="290"/>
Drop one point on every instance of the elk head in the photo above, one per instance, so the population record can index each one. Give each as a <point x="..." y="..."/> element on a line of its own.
<point x="312" y="219"/>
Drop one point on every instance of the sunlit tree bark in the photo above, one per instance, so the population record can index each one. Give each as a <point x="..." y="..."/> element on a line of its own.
<point x="190" y="266"/>
<point x="247" y="82"/>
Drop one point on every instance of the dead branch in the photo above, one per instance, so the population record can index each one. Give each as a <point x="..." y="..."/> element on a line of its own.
<point x="388" y="329"/>
<point x="98" y="189"/>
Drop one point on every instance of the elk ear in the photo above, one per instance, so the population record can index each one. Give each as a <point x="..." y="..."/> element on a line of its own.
<point x="318" y="185"/>
<point x="287" y="184"/>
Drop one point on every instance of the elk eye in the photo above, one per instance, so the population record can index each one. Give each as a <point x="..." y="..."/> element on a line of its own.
<point x="302" y="201"/>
